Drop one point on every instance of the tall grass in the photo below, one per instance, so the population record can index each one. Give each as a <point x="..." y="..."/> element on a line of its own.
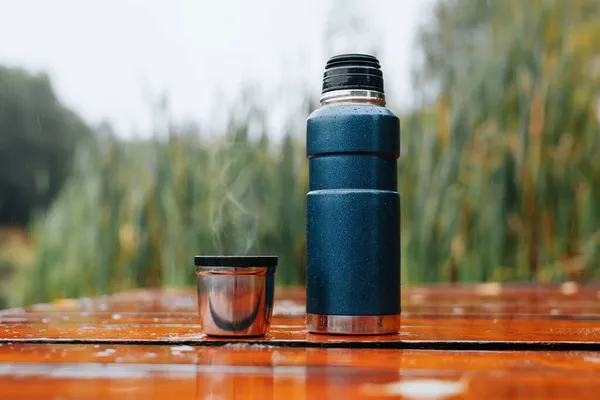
<point x="503" y="182"/>
<point x="135" y="213"/>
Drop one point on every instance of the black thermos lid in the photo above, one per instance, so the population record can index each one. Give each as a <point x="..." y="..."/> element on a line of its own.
<point x="353" y="71"/>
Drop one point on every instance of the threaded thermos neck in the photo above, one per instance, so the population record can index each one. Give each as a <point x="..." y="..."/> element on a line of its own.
<point x="353" y="77"/>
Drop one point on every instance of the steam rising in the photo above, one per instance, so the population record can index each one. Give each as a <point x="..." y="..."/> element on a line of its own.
<point x="234" y="205"/>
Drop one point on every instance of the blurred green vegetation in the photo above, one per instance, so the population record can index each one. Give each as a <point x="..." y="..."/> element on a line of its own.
<point x="134" y="214"/>
<point x="504" y="182"/>
<point x="499" y="174"/>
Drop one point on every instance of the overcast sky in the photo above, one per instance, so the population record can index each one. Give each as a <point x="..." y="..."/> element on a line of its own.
<point x="105" y="56"/>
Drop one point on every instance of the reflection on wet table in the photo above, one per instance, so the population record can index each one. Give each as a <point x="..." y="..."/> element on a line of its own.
<point x="479" y="342"/>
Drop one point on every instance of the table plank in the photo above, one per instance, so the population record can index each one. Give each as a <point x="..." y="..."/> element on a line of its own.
<point x="291" y="331"/>
<point x="482" y="317"/>
<point x="258" y="371"/>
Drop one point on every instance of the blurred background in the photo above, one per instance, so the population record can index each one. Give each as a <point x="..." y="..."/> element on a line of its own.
<point x="136" y="134"/>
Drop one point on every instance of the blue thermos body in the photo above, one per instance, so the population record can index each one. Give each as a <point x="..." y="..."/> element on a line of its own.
<point x="353" y="205"/>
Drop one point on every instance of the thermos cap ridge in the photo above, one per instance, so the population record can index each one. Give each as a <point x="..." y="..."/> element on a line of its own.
<point x="353" y="71"/>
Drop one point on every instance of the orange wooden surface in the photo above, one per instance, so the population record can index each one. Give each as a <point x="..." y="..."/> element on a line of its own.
<point x="501" y="343"/>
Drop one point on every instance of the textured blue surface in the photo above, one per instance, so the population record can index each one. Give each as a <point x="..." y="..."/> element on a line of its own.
<point x="353" y="211"/>
<point x="353" y="128"/>
<point x="366" y="171"/>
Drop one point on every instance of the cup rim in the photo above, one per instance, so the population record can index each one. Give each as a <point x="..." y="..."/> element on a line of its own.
<point x="235" y="261"/>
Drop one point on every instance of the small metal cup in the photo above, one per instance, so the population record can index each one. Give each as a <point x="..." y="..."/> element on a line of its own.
<point x="235" y="294"/>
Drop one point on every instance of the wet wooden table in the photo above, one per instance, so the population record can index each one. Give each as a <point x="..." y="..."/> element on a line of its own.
<point x="481" y="342"/>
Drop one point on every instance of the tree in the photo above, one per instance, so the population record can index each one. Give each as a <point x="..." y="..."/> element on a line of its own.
<point x="38" y="136"/>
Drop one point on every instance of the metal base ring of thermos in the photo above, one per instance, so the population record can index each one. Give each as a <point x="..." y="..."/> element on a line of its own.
<point x="353" y="324"/>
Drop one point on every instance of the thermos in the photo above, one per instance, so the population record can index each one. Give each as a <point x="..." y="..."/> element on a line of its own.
<point x="353" y="205"/>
